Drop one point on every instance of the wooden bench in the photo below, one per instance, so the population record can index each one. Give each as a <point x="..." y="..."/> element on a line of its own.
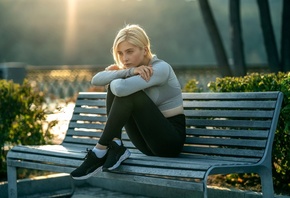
<point x="226" y="133"/>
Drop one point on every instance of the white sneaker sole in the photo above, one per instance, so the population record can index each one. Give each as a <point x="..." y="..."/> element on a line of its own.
<point x="122" y="158"/>
<point x="89" y="175"/>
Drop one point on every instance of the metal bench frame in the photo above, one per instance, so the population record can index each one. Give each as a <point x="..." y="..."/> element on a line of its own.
<point x="226" y="133"/>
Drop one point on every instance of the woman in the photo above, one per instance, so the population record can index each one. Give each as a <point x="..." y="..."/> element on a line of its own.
<point x="144" y="96"/>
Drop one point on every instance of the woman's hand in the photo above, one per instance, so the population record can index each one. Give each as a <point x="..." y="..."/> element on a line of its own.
<point x="112" y="67"/>
<point x="144" y="71"/>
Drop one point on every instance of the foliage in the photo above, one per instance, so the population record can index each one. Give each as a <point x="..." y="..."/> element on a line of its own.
<point x="22" y="118"/>
<point x="192" y="86"/>
<point x="268" y="82"/>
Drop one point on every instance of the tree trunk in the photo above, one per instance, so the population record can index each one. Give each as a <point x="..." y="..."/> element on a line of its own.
<point x="215" y="38"/>
<point x="237" y="45"/>
<point x="268" y="34"/>
<point x="285" y="37"/>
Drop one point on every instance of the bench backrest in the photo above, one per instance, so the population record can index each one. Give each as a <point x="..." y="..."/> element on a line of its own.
<point x="227" y="126"/>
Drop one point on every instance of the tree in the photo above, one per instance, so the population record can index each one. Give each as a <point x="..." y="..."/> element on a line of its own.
<point x="285" y="37"/>
<point x="269" y="37"/>
<point x="237" y="45"/>
<point x="215" y="37"/>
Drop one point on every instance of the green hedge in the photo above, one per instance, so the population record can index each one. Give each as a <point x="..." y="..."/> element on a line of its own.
<point x="257" y="83"/>
<point x="22" y="118"/>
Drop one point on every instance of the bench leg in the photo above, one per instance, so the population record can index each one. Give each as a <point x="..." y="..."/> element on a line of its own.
<point x="12" y="181"/>
<point x="73" y="188"/>
<point x="205" y="188"/>
<point x="267" y="183"/>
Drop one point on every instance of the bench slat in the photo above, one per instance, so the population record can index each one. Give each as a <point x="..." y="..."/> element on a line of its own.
<point x="177" y="163"/>
<point x="94" y="126"/>
<point x="92" y="95"/>
<point x="82" y="147"/>
<point x="92" y="111"/>
<point x="76" y="117"/>
<point x="186" y="159"/>
<point x="160" y="172"/>
<point x="232" y="96"/>
<point x="229" y="104"/>
<point x="85" y="141"/>
<point x="227" y="142"/>
<point x="262" y="134"/>
<point x="50" y="150"/>
<point x="167" y="182"/>
<point x="229" y="123"/>
<point x="46" y="167"/>
<point x="224" y="151"/>
<point x="229" y="113"/>
<point x="94" y="134"/>
<point x="65" y="160"/>
<point x="236" y="159"/>
<point x="96" y="102"/>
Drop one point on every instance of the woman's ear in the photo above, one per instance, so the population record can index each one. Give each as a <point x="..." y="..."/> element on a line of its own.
<point x="145" y="50"/>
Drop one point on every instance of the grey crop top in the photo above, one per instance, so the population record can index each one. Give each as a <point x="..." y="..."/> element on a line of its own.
<point x="163" y="88"/>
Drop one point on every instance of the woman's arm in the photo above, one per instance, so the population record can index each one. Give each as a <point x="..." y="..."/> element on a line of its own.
<point x="124" y="87"/>
<point x="105" y="77"/>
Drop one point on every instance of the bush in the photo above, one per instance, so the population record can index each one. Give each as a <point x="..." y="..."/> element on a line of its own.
<point x="192" y="86"/>
<point x="22" y="118"/>
<point x="267" y="82"/>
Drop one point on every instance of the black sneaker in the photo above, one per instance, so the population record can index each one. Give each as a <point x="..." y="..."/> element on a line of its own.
<point x="116" y="155"/>
<point x="89" y="167"/>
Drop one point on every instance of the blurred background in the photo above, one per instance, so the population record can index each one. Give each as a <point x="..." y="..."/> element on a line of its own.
<point x="63" y="43"/>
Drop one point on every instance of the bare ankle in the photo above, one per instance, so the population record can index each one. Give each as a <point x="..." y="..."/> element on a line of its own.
<point x="101" y="147"/>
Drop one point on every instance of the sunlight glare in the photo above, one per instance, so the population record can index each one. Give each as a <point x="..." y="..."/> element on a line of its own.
<point x="70" y="31"/>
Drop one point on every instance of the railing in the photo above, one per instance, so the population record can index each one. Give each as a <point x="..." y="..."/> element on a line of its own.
<point x="67" y="81"/>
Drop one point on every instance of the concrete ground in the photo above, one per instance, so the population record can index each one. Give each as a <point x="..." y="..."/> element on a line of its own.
<point x="92" y="192"/>
<point x="60" y="185"/>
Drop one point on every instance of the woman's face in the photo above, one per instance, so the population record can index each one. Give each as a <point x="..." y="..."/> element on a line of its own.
<point x="130" y="55"/>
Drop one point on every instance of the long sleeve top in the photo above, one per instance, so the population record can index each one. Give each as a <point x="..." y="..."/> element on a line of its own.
<point x="163" y="87"/>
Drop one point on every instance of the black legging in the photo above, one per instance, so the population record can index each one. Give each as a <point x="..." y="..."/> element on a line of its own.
<point x="147" y="128"/>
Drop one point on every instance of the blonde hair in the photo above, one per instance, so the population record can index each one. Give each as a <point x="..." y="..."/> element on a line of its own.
<point x="135" y="35"/>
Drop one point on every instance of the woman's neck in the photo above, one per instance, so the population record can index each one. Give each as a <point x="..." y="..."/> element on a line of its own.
<point x="146" y="61"/>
